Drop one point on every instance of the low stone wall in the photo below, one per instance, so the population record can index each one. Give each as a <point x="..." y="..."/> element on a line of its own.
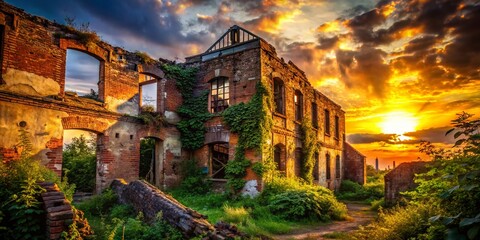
<point x="149" y="200"/>
<point x="401" y="179"/>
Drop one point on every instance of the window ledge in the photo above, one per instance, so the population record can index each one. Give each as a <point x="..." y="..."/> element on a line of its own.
<point x="279" y="115"/>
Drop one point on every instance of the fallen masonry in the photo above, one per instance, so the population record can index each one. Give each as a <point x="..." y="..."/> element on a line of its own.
<point x="152" y="202"/>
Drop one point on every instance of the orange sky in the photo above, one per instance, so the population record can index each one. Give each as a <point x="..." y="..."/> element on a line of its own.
<point x="400" y="69"/>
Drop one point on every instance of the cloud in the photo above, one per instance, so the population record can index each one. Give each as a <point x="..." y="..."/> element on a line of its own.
<point x="434" y="135"/>
<point x="359" y="138"/>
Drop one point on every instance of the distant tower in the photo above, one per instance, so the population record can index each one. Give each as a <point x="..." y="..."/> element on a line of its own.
<point x="393" y="164"/>
<point x="376" y="164"/>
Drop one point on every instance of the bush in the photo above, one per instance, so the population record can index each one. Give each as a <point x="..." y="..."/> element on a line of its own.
<point x="194" y="179"/>
<point x="407" y="222"/>
<point x="79" y="163"/>
<point x="293" y="199"/>
<point x="350" y="190"/>
<point x="100" y="205"/>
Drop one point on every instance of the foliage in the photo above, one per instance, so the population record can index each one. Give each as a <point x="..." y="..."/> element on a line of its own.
<point x="19" y="193"/>
<point x="409" y="222"/>
<point x="236" y="170"/>
<point x="116" y="221"/>
<point x="79" y="228"/>
<point x="82" y="32"/>
<point x="144" y="57"/>
<point x="194" y="179"/>
<point x="445" y="202"/>
<point x="309" y="143"/>
<point x="149" y="116"/>
<point x="194" y="114"/>
<point x="79" y="163"/>
<point x="194" y="110"/>
<point x="258" y="168"/>
<point x="350" y="190"/>
<point x="147" y="158"/>
<point x="293" y="199"/>
<point x="249" y="121"/>
<point x="100" y="204"/>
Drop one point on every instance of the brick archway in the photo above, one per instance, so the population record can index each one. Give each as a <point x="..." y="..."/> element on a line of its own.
<point x="84" y="123"/>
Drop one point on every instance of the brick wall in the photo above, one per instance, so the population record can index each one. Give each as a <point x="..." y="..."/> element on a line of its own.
<point x="355" y="167"/>
<point x="401" y="179"/>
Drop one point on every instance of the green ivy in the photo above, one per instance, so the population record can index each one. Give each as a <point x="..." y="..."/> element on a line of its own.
<point x="252" y="124"/>
<point x="309" y="142"/>
<point x="194" y="110"/>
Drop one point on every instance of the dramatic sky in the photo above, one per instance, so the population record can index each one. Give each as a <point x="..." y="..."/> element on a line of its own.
<point x="400" y="69"/>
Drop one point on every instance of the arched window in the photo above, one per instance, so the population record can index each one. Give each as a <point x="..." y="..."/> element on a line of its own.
<point x="327" y="158"/>
<point x="279" y="96"/>
<point x="298" y="99"/>
<point x="337" y="167"/>
<point x="219" y="94"/>
<point x="219" y="159"/>
<point x="279" y="157"/>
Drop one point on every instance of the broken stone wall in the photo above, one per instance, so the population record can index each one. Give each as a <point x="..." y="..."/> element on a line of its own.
<point x="287" y="130"/>
<point x="355" y="165"/>
<point x="401" y="179"/>
<point x="33" y="97"/>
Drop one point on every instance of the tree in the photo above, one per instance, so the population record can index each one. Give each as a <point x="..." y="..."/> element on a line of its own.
<point x="79" y="163"/>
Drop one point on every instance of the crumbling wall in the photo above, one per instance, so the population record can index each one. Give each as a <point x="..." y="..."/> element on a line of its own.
<point x="33" y="97"/>
<point x="355" y="165"/>
<point x="287" y="130"/>
<point x="151" y="201"/>
<point x="401" y="179"/>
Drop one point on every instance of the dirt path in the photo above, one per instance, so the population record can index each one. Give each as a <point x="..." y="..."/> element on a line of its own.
<point x="360" y="213"/>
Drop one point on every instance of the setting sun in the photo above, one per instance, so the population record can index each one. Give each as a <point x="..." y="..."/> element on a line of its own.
<point x="398" y="123"/>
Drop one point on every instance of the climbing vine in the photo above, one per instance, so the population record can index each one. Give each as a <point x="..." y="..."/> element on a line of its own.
<point x="252" y="124"/>
<point x="309" y="142"/>
<point x="194" y="110"/>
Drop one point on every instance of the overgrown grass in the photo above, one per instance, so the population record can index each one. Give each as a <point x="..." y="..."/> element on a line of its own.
<point x="110" y="220"/>
<point x="270" y="213"/>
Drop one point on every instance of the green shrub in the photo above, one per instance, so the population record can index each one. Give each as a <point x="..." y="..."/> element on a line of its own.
<point x="194" y="179"/>
<point x="100" y="205"/>
<point x="350" y="190"/>
<point x="235" y="214"/>
<point x="400" y="223"/>
<point x="79" y="163"/>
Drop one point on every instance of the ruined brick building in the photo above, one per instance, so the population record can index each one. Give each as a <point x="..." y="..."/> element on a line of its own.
<point x="33" y="98"/>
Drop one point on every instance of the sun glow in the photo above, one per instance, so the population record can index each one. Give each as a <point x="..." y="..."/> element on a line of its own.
<point x="398" y="123"/>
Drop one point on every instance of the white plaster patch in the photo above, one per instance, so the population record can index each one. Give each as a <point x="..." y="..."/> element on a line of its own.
<point x="57" y="166"/>
<point x="217" y="72"/>
<point x="172" y="117"/>
<point x="250" y="189"/>
<point x="29" y="83"/>
<point x="173" y="145"/>
<point x="122" y="106"/>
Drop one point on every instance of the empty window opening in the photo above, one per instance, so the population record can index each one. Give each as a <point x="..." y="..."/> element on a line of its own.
<point x="314" y="115"/>
<point x="337" y="167"/>
<point x="327" y="122"/>
<point x="279" y="157"/>
<point x="298" y="161"/>
<point x="148" y="99"/>
<point x="220" y="94"/>
<point x="79" y="159"/>
<point x="298" y="99"/>
<point x="337" y="127"/>
<point x="279" y="95"/>
<point x="219" y="160"/>
<point x="82" y="74"/>
<point x="327" y="160"/>
<point x="151" y="160"/>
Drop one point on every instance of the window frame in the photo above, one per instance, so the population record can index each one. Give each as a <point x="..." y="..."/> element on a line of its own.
<point x="314" y="115"/>
<point x="214" y="99"/>
<point x="327" y="122"/>
<point x="337" y="127"/>
<point x="279" y="96"/>
<point x="298" y="103"/>
<point x="223" y="162"/>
